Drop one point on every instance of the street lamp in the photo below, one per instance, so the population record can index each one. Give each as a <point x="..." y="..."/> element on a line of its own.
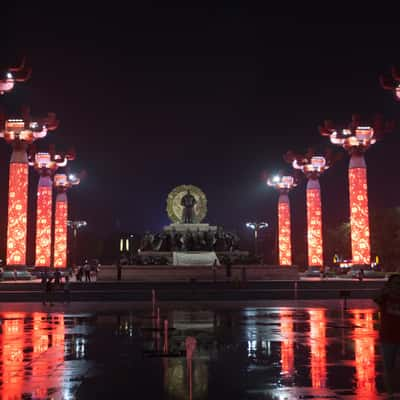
<point x="256" y="227"/>
<point x="75" y="225"/>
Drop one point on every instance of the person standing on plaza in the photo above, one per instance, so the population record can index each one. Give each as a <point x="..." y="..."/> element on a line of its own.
<point x="57" y="277"/>
<point x="94" y="268"/>
<point x="214" y="270"/>
<point x="86" y="269"/>
<point x="389" y="332"/>
<point x="79" y="274"/>
<point x="361" y="275"/>
<point x="47" y="294"/>
<point x="228" y="266"/>
<point x="43" y="277"/>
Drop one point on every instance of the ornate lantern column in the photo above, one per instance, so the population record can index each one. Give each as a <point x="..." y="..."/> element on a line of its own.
<point x="283" y="184"/>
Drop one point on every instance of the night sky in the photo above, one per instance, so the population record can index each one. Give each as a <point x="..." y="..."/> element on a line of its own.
<point x="155" y="97"/>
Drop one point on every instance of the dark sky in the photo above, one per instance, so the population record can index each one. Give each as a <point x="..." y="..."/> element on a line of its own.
<point x="155" y="97"/>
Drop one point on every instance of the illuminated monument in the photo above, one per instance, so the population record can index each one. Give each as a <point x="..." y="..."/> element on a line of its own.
<point x="283" y="184"/>
<point x="20" y="133"/>
<point x="188" y="240"/>
<point x="356" y="139"/>
<point x="45" y="165"/>
<point x="312" y="167"/>
<point x="62" y="183"/>
<point x="9" y="76"/>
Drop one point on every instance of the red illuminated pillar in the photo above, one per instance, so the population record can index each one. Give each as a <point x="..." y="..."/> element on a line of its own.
<point x="284" y="236"/>
<point x="314" y="224"/>
<point x="60" y="231"/>
<point x="359" y="218"/>
<point x="43" y="222"/>
<point x="17" y="207"/>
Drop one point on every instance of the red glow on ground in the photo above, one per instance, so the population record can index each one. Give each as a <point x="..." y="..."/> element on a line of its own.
<point x="318" y="348"/>
<point x="40" y="344"/>
<point x="12" y="347"/>
<point x="285" y="248"/>
<point x="48" y="350"/>
<point x="314" y="228"/>
<point x="32" y="355"/>
<point x="364" y="350"/>
<point x="60" y="235"/>
<point x="359" y="218"/>
<point x="43" y="227"/>
<point x="17" y="214"/>
<point x="287" y="349"/>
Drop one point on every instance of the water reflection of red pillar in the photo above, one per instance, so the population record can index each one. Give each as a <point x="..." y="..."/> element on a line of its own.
<point x="318" y="347"/>
<point x="364" y="351"/>
<point x="190" y="344"/>
<point x="40" y="344"/>
<point x="13" y="355"/>
<point x="48" y="352"/>
<point x="287" y="351"/>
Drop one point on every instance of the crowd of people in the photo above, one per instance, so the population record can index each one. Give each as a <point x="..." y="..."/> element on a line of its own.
<point x="88" y="271"/>
<point x="53" y="282"/>
<point x="57" y="281"/>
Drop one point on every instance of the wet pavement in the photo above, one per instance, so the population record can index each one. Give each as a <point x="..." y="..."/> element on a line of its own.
<point x="276" y="350"/>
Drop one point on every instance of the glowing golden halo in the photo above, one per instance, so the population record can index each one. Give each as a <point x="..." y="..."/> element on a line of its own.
<point x="175" y="209"/>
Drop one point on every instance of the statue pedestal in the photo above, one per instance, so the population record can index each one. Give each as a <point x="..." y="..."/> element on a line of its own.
<point x="194" y="258"/>
<point x="182" y="228"/>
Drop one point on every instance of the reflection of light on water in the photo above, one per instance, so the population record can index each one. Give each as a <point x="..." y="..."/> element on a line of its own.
<point x="40" y="344"/>
<point x="12" y="355"/>
<point x="33" y="347"/>
<point x="67" y="394"/>
<point x="176" y="382"/>
<point x="125" y="328"/>
<point x="40" y="337"/>
<point x="48" y="353"/>
<point x="287" y="350"/>
<point x="318" y="347"/>
<point x="251" y="347"/>
<point x="37" y="343"/>
<point x="80" y="347"/>
<point x="364" y="349"/>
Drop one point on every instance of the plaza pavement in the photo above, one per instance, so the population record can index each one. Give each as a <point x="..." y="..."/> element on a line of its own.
<point x="224" y="290"/>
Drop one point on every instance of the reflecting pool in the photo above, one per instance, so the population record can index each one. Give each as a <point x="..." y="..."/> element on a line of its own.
<point x="240" y="352"/>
